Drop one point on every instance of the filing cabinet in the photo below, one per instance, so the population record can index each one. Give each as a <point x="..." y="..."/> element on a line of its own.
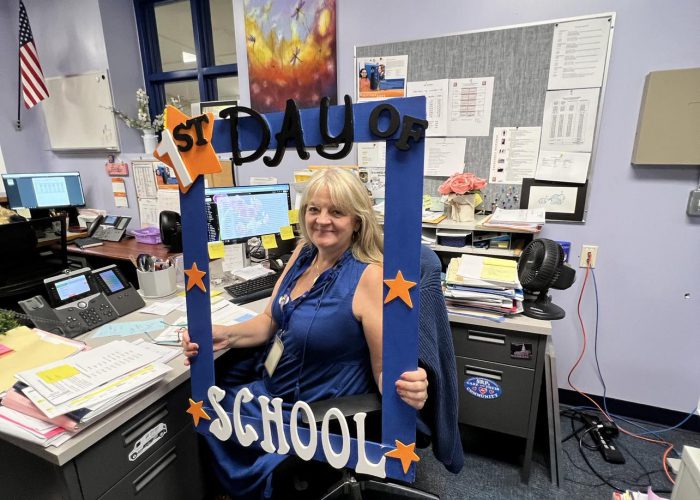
<point x="153" y="455"/>
<point x="496" y="371"/>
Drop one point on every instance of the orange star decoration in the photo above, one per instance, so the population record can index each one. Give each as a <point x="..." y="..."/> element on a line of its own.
<point x="186" y="146"/>
<point x="194" y="277"/>
<point x="198" y="412"/>
<point x="404" y="452"/>
<point x="399" y="287"/>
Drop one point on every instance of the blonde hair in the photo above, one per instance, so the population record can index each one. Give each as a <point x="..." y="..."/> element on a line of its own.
<point x="350" y="196"/>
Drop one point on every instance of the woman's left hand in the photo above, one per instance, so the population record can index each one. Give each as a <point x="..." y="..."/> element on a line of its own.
<point x="412" y="387"/>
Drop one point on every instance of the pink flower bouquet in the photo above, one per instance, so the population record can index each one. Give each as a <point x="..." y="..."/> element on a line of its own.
<point x="461" y="183"/>
<point x="458" y="195"/>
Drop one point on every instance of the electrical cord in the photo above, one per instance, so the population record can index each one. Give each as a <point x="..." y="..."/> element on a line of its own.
<point x="604" y="412"/>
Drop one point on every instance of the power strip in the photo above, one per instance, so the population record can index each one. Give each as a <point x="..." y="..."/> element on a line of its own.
<point x="605" y="446"/>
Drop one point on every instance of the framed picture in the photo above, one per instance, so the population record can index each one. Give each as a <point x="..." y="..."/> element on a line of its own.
<point x="561" y="200"/>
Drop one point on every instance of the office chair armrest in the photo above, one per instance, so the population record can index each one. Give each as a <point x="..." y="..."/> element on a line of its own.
<point x="348" y="406"/>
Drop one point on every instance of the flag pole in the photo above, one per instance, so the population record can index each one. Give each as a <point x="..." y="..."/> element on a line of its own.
<point x="19" y="75"/>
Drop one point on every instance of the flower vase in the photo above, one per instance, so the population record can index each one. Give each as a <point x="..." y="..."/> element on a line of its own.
<point x="461" y="207"/>
<point x="150" y="141"/>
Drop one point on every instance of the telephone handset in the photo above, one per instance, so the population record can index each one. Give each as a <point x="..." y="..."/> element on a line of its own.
<point x="109" y="227"/>
<point x="77" y="305"/>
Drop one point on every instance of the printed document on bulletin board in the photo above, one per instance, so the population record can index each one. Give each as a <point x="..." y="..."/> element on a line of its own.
<point x="569" y="120"/>
<point x="435" y="92"/>
<point x="579" y="51"/>
<point x="469" y="107"/>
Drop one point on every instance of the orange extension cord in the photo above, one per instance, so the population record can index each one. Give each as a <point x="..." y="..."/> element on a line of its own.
<point x="578" y="361"/>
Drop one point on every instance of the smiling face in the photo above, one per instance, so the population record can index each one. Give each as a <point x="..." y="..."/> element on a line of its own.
<point x="363" y="73"/>
<point x="329" y="228"/>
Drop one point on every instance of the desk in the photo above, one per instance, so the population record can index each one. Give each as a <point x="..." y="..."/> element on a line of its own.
<point x="514" y="356"/>
<point x="95" y="464"/>
<point x="125" y="250"/>
<point x="122" y="253"/>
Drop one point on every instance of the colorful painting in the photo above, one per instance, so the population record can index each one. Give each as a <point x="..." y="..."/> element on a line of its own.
<point x="291" y="47"/>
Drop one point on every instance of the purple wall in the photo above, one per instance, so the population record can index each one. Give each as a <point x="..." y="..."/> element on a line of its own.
<point x="649" y="345"/>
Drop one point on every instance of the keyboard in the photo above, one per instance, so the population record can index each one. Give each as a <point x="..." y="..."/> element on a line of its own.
<point x="87" y="242"/>
<point x="253" y="289"/>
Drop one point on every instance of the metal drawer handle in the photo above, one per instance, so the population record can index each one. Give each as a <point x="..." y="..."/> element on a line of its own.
<point x="148" y="422"/>
<point x="154" y="470"/>
<point x="487" y="337"/>
<point x="480" y="372"/>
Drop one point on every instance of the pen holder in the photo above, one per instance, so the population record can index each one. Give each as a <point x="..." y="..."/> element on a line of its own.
<point x="155" y="284"/>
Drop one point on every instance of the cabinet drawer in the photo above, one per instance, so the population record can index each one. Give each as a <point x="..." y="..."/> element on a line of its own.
<point x="504" y="395"/>
<point x="123" y="450"/>
<point x="170" y="474"/>
<point x="499" y="346"/>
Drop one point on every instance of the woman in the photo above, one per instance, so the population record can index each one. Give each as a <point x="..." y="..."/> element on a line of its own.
<point x="364" y="81"/>
<point x="323" y="326"/>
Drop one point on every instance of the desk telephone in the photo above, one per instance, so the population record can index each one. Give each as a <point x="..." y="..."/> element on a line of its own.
<point x="109" y="227"/>
<point x="82" y="300"/>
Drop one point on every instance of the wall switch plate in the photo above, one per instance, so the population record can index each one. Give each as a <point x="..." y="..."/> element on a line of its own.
<point x="585" y="249"/>
<point x="694" y="203"/>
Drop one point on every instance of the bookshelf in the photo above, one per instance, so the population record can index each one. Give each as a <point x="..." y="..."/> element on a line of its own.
<point x="517" y="239"/>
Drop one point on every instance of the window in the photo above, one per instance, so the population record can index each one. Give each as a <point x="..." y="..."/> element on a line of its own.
<point x="188" y="50"/>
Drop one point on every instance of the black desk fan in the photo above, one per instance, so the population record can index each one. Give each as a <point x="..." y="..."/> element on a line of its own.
<point x="541" y="267"/>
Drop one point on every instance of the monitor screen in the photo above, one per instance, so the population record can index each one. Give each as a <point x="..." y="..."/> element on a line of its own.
<point x="44" y="190"/>
<point x="112" y="281"/>
<point x="235" y="214"/>
<point x="72" y="287"/>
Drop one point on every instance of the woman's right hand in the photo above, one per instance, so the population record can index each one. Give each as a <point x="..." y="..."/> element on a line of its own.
<point x="220" y="341"/>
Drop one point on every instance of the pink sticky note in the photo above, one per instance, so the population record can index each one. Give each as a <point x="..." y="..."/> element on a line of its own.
<point x="4" y="349"/>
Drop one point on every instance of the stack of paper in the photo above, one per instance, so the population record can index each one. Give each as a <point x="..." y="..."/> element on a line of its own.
<point x="530" y="220"/>
<point x="50" y="403"/>
<point x="24" y="348"/>
<point x="485" y="287"/>
<point x="432" y="217"/>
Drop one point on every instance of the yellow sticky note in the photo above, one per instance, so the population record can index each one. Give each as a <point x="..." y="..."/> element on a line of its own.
<point x="287" y="233"/>
<point x="214" y="293"/>
<point x="427" y="201"/>
<point x="477" y="199"/>
<point x="294" y="216"/>
<point x="269" y="241"/>
<point x="216" y="250"/>
<point x="57" y="373"/>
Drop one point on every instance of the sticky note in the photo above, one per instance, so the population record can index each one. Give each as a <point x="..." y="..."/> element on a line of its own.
<point x="58" y="373"/>
<point x="477" y="199"/>
<point x="4" y="349"/>
<point x="427" y="201"/>
<point x="287" y="233"/>
<point x="216" y="250"/>
<point x="214" y="293"/>
<point x="294" y="216"/>
<point x="269" y="241"/>
<point x="499" y="269"/>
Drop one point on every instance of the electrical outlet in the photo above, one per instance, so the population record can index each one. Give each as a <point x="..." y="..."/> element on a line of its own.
<point x="585" y="250"/>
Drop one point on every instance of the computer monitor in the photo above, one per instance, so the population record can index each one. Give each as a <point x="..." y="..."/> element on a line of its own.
<point x="235" y="214"/>
<point x="46" y="190"/>
<point x="42" y="192"/>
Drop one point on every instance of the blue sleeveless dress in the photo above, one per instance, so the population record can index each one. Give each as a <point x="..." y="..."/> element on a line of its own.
<point x="325" y="356"/>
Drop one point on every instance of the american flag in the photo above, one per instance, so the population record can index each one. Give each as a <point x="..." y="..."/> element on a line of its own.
<point x="33" y="84"/>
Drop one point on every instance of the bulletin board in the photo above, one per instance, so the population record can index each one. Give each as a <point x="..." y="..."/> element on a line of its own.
<point x="79" y="114"/>
<point x="518" y="58"/>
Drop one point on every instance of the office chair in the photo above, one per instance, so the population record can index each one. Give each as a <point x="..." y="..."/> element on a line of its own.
<point x="435" y="342"/>
<point x="24" y="264"/>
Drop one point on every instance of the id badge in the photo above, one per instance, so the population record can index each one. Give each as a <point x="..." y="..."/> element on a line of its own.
<point x="273" y="357"/>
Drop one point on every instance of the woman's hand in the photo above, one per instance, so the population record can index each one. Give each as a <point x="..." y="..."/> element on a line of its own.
<point x="220" y="340"/>
<point x="412" y="387"/>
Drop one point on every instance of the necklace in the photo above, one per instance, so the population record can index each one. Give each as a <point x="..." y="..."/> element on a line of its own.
<point x="318" y="272"/>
